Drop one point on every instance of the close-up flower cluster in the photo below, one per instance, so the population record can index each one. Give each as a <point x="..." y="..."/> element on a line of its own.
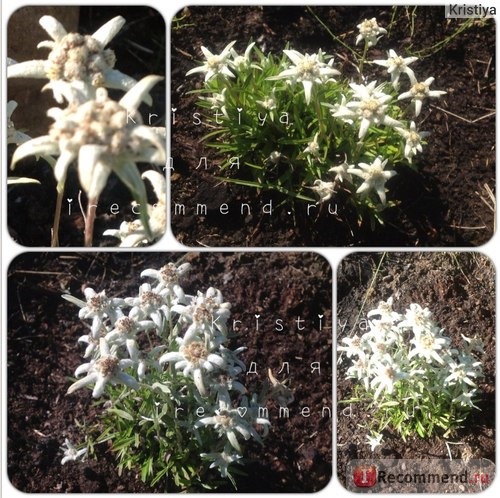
<point x="411" y="377"/>
<point x="90" y="128"/>
<point x="170" y="350"/>
<point x="299" y="125"/>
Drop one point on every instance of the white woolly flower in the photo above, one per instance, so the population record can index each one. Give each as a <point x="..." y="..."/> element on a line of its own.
<point x="385" y="375"/>
<point x="397" y="65"/>
<point x="104" y="136"/>
<point x="215" y="63"/>
<point x="97" y="306"/>
<point x="133" y="233"/>
<point x="385" y="310"/>
<point x="370" y="31"/>
<point x="230" y="422"/>
<point x="108" y="368"/>
<point x="325" y="190"/>
<point x="168" y="277"/>
<point x="375" y="441"/>
<point x="71" y="454"/>
<point x="149" y="303"/>
<point x="413" y="140"/>
<point x="74" y="57"/>
<point x="194" y="359"/>
<point x="463" y="373"/>
<point x="369" y="106"/>
<point x="124" y="333"/>
<point x="308" y="70"/>
<point x="313" y="148"/>
<point x="374" y="177"/>
<point x="419" y="92"/>
<point x="355" y="346"/>
<point x="244" y="60"/>
<point x="207" y="314"/>
<point x="429" y="344"/>
<point x="342" y="172"/>
<point x="417" y="318"/>
<point x="222" y="460"/>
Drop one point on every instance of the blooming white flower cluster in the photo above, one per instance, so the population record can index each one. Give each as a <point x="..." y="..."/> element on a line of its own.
<point x="406" y="360"/>
<point x="327" y="107"/>
<point x="187" y="353"/>
<point x="102" y="135"/>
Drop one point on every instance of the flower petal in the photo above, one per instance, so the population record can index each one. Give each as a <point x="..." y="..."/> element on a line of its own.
<point x="109" y="30"/>
<point x="133" y="98"/>
<point x="28" y="69"/>
<point x="53" y="27"/>
<point x="43" y="145"/>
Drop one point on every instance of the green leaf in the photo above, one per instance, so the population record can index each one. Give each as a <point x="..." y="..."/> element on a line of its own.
<point x="121" y="414"/>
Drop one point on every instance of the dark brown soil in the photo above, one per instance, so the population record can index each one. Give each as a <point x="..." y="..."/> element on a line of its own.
<point x="440" y="206"/>
<point x="43" y="353"/>
<point x="459" y="288"/>
<point x="140" y="50"/>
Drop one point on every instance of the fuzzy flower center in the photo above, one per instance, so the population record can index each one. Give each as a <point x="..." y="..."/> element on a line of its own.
<point x="203" y="312"/>
<point x="98" y="303"/>
<point x="106" y="365"/>
<point x="419" y="90"/>
<point x="96" y="122"/>
<point x="195" y="352"/>
<point x="168" y="273"/>
<point x="224" y="420"/>
<point x="370" y="108"/>
<point x="125" y="325"/>
<point x="215" y="62"/>
<point x="307" y="68"/>
<point x="150" y="298"/>
<point x="80" y="57"/>
<point x="369" y="27"/>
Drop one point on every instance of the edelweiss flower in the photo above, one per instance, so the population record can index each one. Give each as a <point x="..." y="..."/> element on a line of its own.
<point x="355" y="346"/>
<point x="308" y="69"/>
<point x="417" y="318"/>
<point x="98" y="306"/>
<point x="207" y="314"/>
<point x="370" y="106"/>
<point x="124" y="333"/>
<point x="413" y="140"/>
<point x="221" y="460"/>
<point x="74" y="57"/>
<point x="370" y="31"/>
<point x="396" y="65"/>
<point x="242" y="60"/>
<point x="71" y="454"/>
<point x="374" y="177"/>
<point x="420" y="91"/>
<point x="133" y="233"/>
<point x="107" y="368"/>
<point x="374" y="441"/>
<point x="341" y="172"/>
<point x="215" y="64"/>
<point x="313" y="147"/>
<point x="149" y="304"/>
<point x="386" y="374"/>
<point x="463" y="373"/>
<point x="230" y="421"/>
<point x="168" y="277"/>
<point x="193" y="358"/>
<point x="105" y="136"/>
<point x="427" y="343"/>
<point x="325" y="190"/>
<point x="385" y="311"/>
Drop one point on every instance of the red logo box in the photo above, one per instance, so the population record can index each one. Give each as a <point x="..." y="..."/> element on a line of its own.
<point x="364" y="476"/>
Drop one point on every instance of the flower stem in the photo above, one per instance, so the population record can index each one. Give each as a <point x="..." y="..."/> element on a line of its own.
<point x="89" y="222"/>
<point x="54" y="240"/>
<point x="363" y="58"/>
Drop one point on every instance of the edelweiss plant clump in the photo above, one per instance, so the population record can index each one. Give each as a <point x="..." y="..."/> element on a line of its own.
<point x="175" y="403"/>
<point x="409" y="374"/>
<point x="297" y="125"/>
<point x="101" y="135"/>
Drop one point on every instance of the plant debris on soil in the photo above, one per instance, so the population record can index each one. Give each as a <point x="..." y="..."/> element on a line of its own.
<point x="140" y="50"/>
<point x="459" y="289"/>
<point x="43" y="353"/>
<point x="445" y="204"/>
